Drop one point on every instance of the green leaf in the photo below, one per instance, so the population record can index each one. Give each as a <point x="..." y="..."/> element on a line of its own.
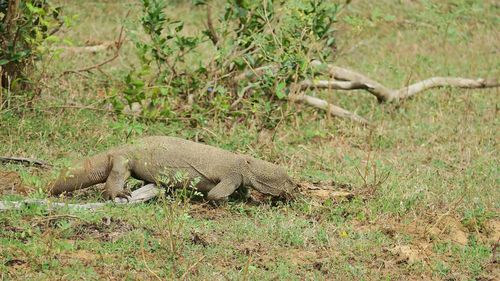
<point x="280" y="90"/>
<point x="3" y="62"/>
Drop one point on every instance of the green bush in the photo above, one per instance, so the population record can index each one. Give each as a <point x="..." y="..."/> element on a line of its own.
<point x="24" y="26"/>
<point x="276" y="40"/>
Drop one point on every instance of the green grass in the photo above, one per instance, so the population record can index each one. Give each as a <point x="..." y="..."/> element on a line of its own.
<point x="440" y="150"/>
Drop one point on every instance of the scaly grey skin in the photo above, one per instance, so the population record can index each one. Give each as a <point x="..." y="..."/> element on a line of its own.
<point x="151" y="159"/>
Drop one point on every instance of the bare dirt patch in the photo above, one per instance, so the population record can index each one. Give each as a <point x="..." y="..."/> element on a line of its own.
<point x="202" y="239"/>
<point x="108" y="229"/>
<point x="263" y="255"/>
<point x="207" y="211"/>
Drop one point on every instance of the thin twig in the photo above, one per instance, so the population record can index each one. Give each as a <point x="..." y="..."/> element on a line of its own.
<point x="330" y="108"/>
<point x="118" y="46"/>
<point x="247" y="266"/>
<point x="89" y="49"/>
<point x="346" y="79"/>
<point x="145" y="262"/>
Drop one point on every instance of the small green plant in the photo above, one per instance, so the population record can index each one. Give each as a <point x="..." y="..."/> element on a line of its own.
<point x="175" y="207"/>
<point x="24" y="27"/>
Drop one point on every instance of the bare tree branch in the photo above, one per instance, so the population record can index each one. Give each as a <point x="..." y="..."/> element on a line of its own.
<point x="330" y="108"/>
<point x="437" y="82"/>
<point x="330" y="84"/>
<point x="90" y="49"/>
<point x="118" y="45"/>
<point x="346" y="79"/>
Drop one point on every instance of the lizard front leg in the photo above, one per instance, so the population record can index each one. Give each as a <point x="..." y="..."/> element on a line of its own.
<point x="225" y="187"/>
<point x="115" y="183"/>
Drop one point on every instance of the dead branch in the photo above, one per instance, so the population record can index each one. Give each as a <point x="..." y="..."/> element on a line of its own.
<point x="330" y="108"/>
<point x="346" y="79"/>
<point x="330" y="84"/>
<point x="333" y="110"/>
<point x="118" y="45"/>
<point x="26" y="161"/>
<point x="90" y="49"/>
<point x="140" y="195"/>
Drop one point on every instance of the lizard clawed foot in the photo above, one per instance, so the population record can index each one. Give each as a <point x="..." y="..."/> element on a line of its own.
<point x="120" y="195"/>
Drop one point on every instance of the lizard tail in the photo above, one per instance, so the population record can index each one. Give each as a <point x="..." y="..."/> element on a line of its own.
<point x="89" y="172"/>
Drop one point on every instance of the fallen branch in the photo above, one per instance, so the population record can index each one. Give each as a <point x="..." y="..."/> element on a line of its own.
<point x="346" y="79"/>
<point x="140" y="195"/>
<point x="330" y="108"/>
<point x="90" y="49"/>
<point x="331" y="85"/>
<point x="26" y="161"/>
<point x="118" y="45"/>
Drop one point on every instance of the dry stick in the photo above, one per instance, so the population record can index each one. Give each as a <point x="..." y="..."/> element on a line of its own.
<point x="346" y="79"/>
<point x="28" y="161"/>
<point x="90" y="49"/>
<point x="118" y="46"/>
<point x="140" y="195"/>
<point x="247" y="266"/>
<point x="145" y="262"/>
<point x="330" y="108"/>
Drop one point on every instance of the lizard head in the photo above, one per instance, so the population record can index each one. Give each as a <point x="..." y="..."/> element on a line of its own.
<point x="268" y="178"/>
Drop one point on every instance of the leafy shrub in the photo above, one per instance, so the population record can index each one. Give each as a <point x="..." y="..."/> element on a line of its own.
<point x="250" y="59"/>
<point x="24" y="26"/>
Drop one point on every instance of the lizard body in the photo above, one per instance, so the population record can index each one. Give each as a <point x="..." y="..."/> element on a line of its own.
<point x="218" y="172"/>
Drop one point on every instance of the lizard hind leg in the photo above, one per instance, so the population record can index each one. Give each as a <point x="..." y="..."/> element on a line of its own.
<point x="115" y="183"/>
